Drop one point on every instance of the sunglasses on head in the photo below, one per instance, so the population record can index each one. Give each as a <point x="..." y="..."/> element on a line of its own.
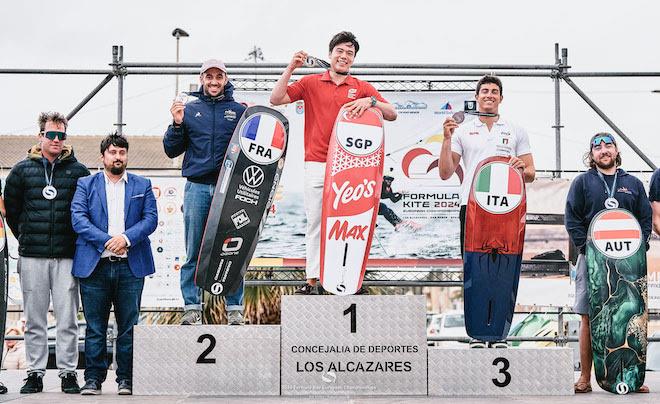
<point x="602" y="139"/>
<point x="52" y="134"/>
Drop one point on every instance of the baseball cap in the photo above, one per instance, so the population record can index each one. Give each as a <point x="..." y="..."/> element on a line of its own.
<point x="212" y="63"/>
<point x="602" y="137"/>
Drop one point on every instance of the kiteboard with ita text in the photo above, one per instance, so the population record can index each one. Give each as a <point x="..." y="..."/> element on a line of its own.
<point x="351" y="196"/>
<point x="494" y="235"/>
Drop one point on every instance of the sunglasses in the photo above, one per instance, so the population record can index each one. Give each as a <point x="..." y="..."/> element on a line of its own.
<point x="52" y="134"/>
<point x="602" y="139"/>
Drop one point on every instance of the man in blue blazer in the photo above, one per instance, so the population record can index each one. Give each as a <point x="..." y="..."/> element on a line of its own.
<point x="113" y="213"/>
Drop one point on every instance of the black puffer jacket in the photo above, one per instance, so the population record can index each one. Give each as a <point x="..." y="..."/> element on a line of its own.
<point x="42" y="226"/>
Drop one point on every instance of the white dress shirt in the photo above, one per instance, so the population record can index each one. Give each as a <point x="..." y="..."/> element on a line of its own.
<point x="114" y="194"/>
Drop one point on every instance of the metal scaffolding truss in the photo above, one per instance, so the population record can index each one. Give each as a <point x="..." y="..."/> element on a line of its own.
<point x="387" y="77"/>
<point x="261" y="84"/>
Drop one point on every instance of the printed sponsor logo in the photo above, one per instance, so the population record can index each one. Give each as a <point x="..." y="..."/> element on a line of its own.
<point x="253" y="176"/>
<point x="262" y="138"/>
<point x="247" y="199"/>
<point x="347" y="193"/>
<point x="498" y="188"/>
<point x="231" y="246"/>
<point x="156" y="191"/>
<point x="220" y="273"/>
<point x="624" y="190"/>
<point x="352" y="93"/>
<point x="217" y="288"/>
<point x="341" y="230"/>
<point x="300" y="108"/>
<point x="229" y="164"/>
<point x="170" y="192"/>
<point x="230" y="115"/>
<point x="235" y="148"/>
<point x="198" y="115"/>
<point x="616" y="233"/>
<point x="445" y="109"/>
<point x="410" y="105"/>
<point x="240" y="219"/>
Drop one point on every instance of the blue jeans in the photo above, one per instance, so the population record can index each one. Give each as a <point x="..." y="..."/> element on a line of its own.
<point x="111" y="283"/>
<point x="196" y="204"/>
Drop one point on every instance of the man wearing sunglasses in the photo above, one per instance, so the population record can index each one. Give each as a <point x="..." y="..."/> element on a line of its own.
<point x="38" y="198"/>
<point x="603" y="186"/>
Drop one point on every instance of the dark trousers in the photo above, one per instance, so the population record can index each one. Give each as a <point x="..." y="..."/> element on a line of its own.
<point x="111" y="283"/>
<point x="389" y="214"/>
<point x="461" y="217"/>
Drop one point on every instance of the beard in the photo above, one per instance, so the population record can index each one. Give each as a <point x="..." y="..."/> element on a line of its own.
<point x="117" y="170"/>
<point x="606" y="166"/>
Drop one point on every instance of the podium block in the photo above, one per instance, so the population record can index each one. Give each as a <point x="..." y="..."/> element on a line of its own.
<point x="358" y="345"/>
<point x="500" y="371"/>
<point x="206" y="360"/>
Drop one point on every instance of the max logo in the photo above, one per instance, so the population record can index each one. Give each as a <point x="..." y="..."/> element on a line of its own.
<point x="341" y="230"/>
<point x="346" y="193"/>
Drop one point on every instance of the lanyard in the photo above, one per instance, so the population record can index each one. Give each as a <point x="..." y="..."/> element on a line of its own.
<point x="49" y="181"/>
<point x="610" y="202"/>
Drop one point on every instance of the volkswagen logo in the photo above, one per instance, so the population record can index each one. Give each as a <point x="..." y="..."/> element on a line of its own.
<point x="253" y="176"/>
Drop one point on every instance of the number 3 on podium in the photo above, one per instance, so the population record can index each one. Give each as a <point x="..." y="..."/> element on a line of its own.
<point x="502" y="370"/>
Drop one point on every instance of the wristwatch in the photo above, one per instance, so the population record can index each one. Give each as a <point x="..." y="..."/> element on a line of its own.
<point x="373" y="101"/>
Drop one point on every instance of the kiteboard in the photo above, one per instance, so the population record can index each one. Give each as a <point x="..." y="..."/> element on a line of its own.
<point x="618" y="300"/>
<point x="351" y="196"/>
<point x="494" y="235"/>
<point x="4" y="270"/>
<point x="243" y="195"/>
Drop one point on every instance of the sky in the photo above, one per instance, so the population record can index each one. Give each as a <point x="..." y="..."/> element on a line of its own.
<point x="600" y="36"/>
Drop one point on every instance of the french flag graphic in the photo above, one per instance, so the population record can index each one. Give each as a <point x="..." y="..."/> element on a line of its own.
<point x="265" y="130"/>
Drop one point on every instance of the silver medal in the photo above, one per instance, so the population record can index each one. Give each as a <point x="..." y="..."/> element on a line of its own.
<point x="49" y="192"/>
<point x="611" y="203"/>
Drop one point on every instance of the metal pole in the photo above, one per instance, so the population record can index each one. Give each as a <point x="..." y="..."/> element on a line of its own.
<point x="176" y="88"/>
<point x="611" y="124"/>
<point x="557" y="125"/>
<point x="561" y="334"/>
<point x="120" y="72"/>
<point x="85" y="100"/>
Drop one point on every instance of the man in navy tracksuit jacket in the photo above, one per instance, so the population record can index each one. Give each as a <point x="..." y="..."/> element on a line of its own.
<point x="202" y="128"/>
<point x="586" y="198"/>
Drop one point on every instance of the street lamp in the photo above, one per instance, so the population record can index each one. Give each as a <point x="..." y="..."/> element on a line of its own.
<point x="178" y="33"/>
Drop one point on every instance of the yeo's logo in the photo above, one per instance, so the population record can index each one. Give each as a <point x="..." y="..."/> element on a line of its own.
<point x="346" y="193"/>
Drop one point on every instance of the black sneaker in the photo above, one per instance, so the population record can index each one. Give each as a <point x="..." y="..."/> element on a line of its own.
<point x="91" y="388"/>
<point x="33" y="384"/>
<point x="362" y="291"/>
<point x="3" y="388"/>
<point x="307" y="289"/>
<point x="70" y="384"/>
<point x="125" y="388"/>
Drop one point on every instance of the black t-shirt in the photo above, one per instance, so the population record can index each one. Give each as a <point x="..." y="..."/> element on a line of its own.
<point x="654" y="189"/>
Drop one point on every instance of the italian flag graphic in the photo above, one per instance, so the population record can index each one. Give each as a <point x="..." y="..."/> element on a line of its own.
<point x="498" y="188"/>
